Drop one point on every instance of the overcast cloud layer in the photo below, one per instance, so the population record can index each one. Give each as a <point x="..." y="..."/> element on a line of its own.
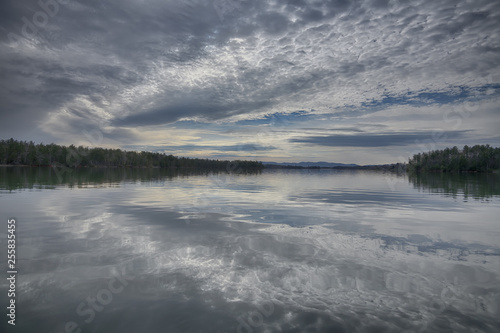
<point x="340" y="81"/>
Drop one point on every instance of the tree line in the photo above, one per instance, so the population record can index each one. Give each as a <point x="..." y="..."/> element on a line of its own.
<point x="479" y="158"/>
<point x="14" y="152"/>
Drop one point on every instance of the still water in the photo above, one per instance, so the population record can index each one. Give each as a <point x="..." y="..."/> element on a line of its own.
<point x="278" y="251"/>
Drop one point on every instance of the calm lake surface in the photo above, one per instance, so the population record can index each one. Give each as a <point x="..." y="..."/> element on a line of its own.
<point x="279" y="251"/>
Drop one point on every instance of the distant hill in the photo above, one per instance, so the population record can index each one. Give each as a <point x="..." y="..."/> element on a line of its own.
<point x="310" y="164"/>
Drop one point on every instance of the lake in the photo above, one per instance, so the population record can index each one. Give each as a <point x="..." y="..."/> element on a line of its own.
<point x="147" y="250"/>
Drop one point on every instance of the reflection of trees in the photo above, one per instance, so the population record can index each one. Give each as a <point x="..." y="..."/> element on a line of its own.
<point x="12" y="178"/>
<point x="477" y="186"/>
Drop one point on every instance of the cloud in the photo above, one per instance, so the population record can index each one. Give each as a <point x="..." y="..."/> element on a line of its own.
<point x="233" y="148"/>
<point x="378" y="140"/>
<point x="175" y="112"/>
<point x="125" y="66"/>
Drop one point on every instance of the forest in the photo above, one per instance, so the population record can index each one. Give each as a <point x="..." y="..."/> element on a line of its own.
<point x="13" y="152"/>
<point x="479" y="158"/>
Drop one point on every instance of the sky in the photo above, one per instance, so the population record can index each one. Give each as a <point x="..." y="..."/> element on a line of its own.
<point x="365" y="82"/>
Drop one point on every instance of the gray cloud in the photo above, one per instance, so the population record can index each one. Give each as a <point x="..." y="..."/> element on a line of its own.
<point x="171" y="113"/>
<point x="378" y="140"/>
<point x="231" y="148"/>
<point x="131" y="64"/>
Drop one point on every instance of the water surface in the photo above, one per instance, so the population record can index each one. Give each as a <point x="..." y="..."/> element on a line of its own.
<point x="146" y="250"/>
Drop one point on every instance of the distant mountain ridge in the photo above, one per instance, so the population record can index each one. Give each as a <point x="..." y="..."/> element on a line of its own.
<point x="311" y="164"/>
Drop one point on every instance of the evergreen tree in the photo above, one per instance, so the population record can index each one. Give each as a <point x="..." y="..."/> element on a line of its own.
<point x="479" y="158"/>
<point x="27" y="153"/>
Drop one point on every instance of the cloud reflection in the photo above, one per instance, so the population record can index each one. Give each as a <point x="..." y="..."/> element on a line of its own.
<point x="350" y="263"/>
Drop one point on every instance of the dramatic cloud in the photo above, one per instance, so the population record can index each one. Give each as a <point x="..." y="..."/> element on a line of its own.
<point x="241" y="72"/>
